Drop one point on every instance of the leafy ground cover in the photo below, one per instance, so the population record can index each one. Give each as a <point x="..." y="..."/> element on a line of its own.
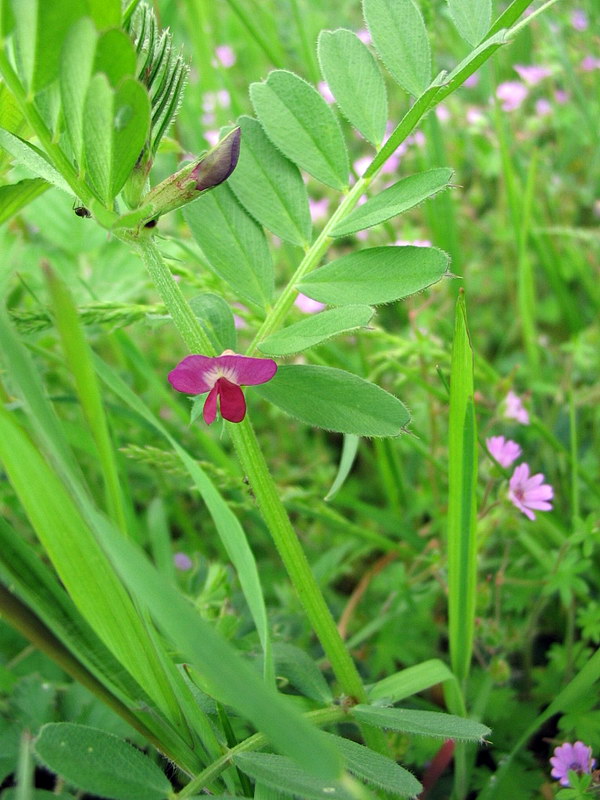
<point x="349" y="548"/>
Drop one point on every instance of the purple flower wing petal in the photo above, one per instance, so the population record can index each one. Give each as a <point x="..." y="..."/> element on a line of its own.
<point x="249" y="371"/>
<point x="233" y="402"/>
<point x="189" y="375"/>
<point x="209" y="412"/>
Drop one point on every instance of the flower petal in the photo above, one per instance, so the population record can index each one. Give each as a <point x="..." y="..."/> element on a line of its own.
<point x="209" y="412"/>
<point x="248" y="371"/>
<point x="233" y="402"/>
<point x="189" y="375"/>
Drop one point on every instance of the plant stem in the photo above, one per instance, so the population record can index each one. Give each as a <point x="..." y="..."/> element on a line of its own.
<point x="262" y="484"/>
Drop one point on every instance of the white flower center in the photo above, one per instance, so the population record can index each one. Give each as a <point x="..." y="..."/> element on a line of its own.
<point x="213" y="375"/>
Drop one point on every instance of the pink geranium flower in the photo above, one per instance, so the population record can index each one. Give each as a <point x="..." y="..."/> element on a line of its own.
<point x="222" y="377"/>
<point x="529" y="493"/>
<point x="576" y="757"/>
<point x="505" y="451"/>
<point x="514" y="409"/>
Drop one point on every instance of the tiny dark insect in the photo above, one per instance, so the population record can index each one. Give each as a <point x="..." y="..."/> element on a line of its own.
<point x="152" y="224"/>
<point x="82" y="211"/>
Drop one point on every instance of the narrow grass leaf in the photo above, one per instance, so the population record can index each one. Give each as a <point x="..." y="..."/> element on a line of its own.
<point x="316" y="329"/>
<point x="397" y="199"/>
<point x="231" y="679"/>
<point x="335" y="400"/>
<point x="76" y="70"/>
<point x="376" y="275"/>
<point x="216" y="317"/>
<point x="349" y="450"/>
<point x="40" y="29"/>
<point x="27" y="155"/>
<point x="115" y="127"/>
<point x="234" y="245"/>
<point x="472" y="18"/>
<point x="300" y="123"/>
<point x="282" y="774"/>
<point x="410" y="681"/>
<point x="377" y="769"/>
<point x="400" y="38"/>
<point x="100" y="763"/>
<point x="421" y="723"/>
<point x="355" y="81"/>
<point x="15" y="196"/>
<point x="269" y="186"/>
<point x="462" y="483"/>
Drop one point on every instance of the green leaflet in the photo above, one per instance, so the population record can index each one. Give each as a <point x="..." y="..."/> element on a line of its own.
<point x="377" y="769"/>
<point x="15" y="196"/>
<point x="349" y="451"/>
<point x="234" y="245"/>
<point x="302" y="672"/>
<point x="116" y="124"/>
<point x="335" y="400"/>
<point x="376" y="275"/>
<point x="216" y="317"/>
<point x="472" y="18"/>
<point x="355" y="81"/>
<point x="410" y="681"/>
<point x="300" y="123"/>
<point x="115" y="56"/>
<point x="400" y="38"/>
<point x="316" y="329"/>
<point x="100" y="763"/>
<point x="75" y="74"/>
<point x="397" y="199"/>
<point x="282" y="774"/>
<point x="40" y="29"/>
<point x="269" y="186"/>
<point x="421" y="723"/>
<point x="105" y="13"/>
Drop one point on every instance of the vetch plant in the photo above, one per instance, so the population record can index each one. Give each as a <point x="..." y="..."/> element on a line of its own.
<point x="93" y="90"/>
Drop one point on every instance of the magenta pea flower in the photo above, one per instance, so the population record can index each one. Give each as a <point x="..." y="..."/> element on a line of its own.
<point x="505" y="451"/>
<point x="528" y="492"/>
<point x="222" y="377"/>
<point x="576" y="757"/>
<point x="514" y="408"/>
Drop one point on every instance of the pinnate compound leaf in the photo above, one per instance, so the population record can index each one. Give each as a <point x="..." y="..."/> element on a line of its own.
<point x="233" y="243"/>
<point x="269" y="186"/>
<point x="472" y="18"/>
<point x="355" y="81"/>
<point x="397" y="199"/>
<point x="316" y="329"/>
<point x="115" y="127"/>
<point x="421" y="723"/>
<point x="400" y="38"/>
<point x="284" y="775"/>
<point x="100" y="763"/>
<point x="300" y="123"/>
<point x="336" y="400"/>
<point x="40" y="29"/>
<point x="376" y="275"/>
<point x="15" y="196"/>
<point x="377" y="769"/>
<point x="27" y="155"/>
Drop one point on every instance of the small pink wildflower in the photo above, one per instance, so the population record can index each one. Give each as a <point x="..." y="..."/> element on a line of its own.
<point x="364" y="35"/>
<point x="511" y="94"/>
<point x="182" y="562"/>
<point x="514" y="408"/>
<point x="442" y="113"/>
<point x="532" y="74"/>
<point x="505" y="451"/>
<point x="579" y="19"/>
<point x="529" y="493"/>
<point x="413" y="243"/>
<point x="543" y="107"/>
<point x="576" y="757"/>
<point x="212" y="137"/>
<point x="318" y="208"/>
<point x="561" y="96"/>
<point x="471" y="81"/>
<point x="589" y="64"/>
<point x="325" y="91"/>
<point x="221" y="376"/>
<point x="225" y="55"/>
<point x="307" y="305"/>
